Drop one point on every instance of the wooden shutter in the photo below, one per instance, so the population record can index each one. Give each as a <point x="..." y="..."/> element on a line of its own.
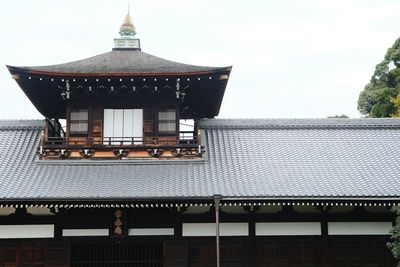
<point x="176" y="253"/>
<point x="35" y="254"/>
<point x="97" y="125"/>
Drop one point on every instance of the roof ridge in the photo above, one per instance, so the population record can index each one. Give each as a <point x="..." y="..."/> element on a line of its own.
<point x="301" y="123"/>
<point x="21" y="124"/>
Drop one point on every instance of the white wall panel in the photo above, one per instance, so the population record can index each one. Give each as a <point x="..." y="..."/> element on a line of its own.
<point x="85" y="232"/>
<point x="288" y="228"/>
<point x="128" y="124"/>
<point x="208" y="229"/>
<point x="138" y="124"/>
<point x="6" y="211"/>
<point x="150" y="231"/>
<point x="118" y="123"/>
<point x="108" y="128"/>
<point x="123" y="124"/>
<point x="359" y="228"/>
<point x="27" y="231"/>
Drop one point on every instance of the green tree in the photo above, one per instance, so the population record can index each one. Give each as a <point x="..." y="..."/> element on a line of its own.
<point x="395" y="244"/>
<point x="343" y="116"/>
<point x="381" y="96"/>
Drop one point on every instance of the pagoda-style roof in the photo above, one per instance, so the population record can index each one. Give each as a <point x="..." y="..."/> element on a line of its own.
<point x="120" y="62"/>
<point x="202" y="87"/>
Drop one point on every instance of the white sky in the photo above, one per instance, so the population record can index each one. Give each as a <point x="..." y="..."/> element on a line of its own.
<point x="304" y="58"/>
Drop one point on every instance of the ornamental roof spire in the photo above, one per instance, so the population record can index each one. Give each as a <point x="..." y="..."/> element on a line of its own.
<point x="127" y="32"/>
<point x="127" y="28"/>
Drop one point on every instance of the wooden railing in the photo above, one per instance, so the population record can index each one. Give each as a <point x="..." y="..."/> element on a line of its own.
<point x="184" y="138"/>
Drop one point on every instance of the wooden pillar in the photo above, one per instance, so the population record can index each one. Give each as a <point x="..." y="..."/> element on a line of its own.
<point x="251" y="245"/>
<point x="324" y="247"/>
<point x="58" y="227"/>
<point x="178" y="223"/>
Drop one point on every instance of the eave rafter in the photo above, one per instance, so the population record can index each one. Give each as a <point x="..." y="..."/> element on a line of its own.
<point x="194" y="202"/>
<point x="188" y="87"/>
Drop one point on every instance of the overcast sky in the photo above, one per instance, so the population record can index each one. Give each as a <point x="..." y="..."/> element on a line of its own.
<point x="304" y="58"/>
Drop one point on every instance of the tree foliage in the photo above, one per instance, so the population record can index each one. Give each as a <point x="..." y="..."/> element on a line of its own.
<point x="381" y="96"/>
<point x="395" y="244"/>
<point x="343" y="116"/>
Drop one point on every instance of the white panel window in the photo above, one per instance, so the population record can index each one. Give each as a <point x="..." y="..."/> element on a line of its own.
<point x="123" y="126"/>
<point x="208" y="229"/>
<point x="85" y="232"/>
<point x="150" y="231"/>
<point x="27" y="231"/>
<point x="359" y="228"/>
<point x="288" y="228"/>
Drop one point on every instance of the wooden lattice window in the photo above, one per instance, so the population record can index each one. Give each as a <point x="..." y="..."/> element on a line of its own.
<point x="167" y="121"/>
<point x="79" y="121"/>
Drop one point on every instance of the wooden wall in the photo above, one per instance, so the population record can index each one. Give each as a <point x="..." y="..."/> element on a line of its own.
<point x="172" y="251"/>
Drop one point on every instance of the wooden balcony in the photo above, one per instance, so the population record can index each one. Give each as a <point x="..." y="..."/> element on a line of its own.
<point x="184" y="145"/>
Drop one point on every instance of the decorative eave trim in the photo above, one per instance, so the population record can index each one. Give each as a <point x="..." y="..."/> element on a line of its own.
<point x="119" y="74"/>
<point x="176" y="203"/>
<point x="320" y="198"/>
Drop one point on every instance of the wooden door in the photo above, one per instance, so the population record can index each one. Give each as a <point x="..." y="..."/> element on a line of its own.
<point x="34" y="255"/>
<point x="286" y="252"/>
<point x="116" y="253"/>
<point x="201" y="252"/>
<point x="176" y="253"/>
<point x="360" y="251"/>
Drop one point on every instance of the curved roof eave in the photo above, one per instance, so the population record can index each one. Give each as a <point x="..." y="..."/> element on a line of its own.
<point x="121" y="63"/>
<point x="118" y="74"/>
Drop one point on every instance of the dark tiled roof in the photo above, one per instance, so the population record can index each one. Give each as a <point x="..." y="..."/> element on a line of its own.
<point x="282" y="159"/>
<point x="300" y="123"/>
<point x="122" y="62"/>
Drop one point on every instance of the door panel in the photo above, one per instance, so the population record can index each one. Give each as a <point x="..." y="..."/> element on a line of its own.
<point x="108" y="125"/>
<point x="176" y="253"/>
<point x="118" y="124"/>
<point x="123" y="126"/>
<point x="363" y="251"/>
<point x="287" y="251"/>
<point x="35" y="254"/>
<point x="128" y="125"/>
<point x="138" y="126"/>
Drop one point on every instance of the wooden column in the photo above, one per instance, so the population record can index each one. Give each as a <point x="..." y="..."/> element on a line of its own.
<point x="58" y="226"/>
<point x="178" y="223"/>
<point x="251" y="245"/>
<point x="324" y="247"/>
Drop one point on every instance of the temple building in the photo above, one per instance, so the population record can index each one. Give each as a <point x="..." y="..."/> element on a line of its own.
<point x="143" y="174"/>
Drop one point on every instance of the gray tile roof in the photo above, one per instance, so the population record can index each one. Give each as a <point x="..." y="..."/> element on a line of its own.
<point x="122" y="62"/>
<point x="268" y="159"/>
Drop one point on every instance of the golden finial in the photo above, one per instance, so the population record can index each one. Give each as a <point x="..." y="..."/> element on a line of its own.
<point x="127" y="28"/>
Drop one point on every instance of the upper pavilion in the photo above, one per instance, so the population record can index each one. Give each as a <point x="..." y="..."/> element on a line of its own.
<point x="125" y="101"/>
